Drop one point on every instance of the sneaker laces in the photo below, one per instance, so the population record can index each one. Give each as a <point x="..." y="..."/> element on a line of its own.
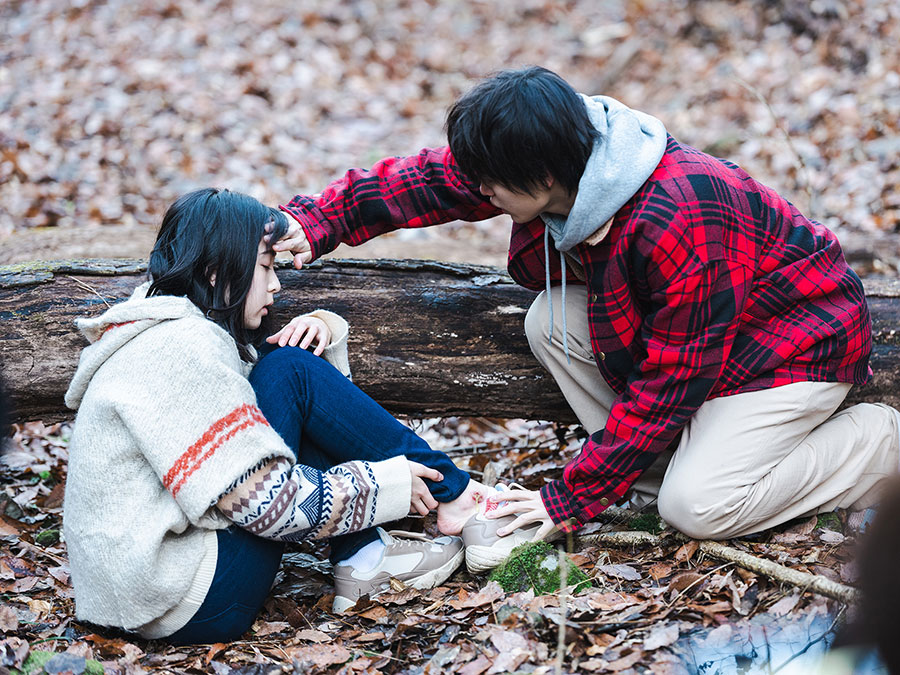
<point x="405" y="539"/>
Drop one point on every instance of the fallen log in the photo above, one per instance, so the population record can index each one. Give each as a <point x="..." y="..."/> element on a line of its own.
<point x="427" y="338"/>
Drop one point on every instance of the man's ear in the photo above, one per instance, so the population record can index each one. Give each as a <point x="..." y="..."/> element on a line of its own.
<point x="549" y="181"/>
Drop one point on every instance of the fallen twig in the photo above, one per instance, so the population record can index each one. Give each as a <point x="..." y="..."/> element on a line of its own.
<point x="803" y="580"/>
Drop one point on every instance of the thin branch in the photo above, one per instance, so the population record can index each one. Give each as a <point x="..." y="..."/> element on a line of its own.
<point x="561" y="634"/>
<point x="814" y="583"/>
<point x="88" y="288"/>
<point x="806" y="183"/>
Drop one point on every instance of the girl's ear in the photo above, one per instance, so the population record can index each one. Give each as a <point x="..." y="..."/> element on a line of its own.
<point x="212" y="279"/>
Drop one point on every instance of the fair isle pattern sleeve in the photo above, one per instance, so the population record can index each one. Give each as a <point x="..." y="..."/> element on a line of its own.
<point x="292" y="502"/>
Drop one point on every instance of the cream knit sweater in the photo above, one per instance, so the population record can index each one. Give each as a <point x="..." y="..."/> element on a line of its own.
<point x="166" y="423"/>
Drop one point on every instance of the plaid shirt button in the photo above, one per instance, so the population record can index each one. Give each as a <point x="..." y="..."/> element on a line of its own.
<point x="604" y="501"/>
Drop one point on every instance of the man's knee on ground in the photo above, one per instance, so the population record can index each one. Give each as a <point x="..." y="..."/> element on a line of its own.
<point x="685" y="508"/>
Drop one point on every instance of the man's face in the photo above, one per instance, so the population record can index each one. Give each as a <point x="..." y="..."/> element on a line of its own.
<point x="521" y="206"/>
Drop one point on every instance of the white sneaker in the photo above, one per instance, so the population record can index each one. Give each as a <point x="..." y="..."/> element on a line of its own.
<point x="414" y="559"/>
<point x="485" y="549"/>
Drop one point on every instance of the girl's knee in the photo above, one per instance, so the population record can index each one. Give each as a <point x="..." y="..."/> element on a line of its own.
<point x="286" y="358"/>
<point x="284" y="366"/>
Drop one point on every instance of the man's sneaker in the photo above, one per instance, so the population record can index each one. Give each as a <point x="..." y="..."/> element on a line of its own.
<point x="414" y="559"/>
<point x="485" y="549"/>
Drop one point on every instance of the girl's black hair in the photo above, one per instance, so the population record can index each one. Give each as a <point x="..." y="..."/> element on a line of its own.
<point x="518" y="127"/>
<point x="214" y="231"/>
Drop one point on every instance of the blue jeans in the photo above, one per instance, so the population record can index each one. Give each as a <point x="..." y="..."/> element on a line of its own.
<point x="326" y="420"/>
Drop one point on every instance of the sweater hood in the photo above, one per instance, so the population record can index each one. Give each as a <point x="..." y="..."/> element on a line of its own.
<point x="117" y="326"/>
<point x="629" y="148"/>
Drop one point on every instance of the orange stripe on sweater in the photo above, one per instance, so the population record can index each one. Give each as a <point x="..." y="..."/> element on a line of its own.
<point x="218" y="433"/>
<point x="116" y="325"/>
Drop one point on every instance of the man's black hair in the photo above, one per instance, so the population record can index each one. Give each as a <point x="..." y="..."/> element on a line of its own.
<point x="518" y="127"/>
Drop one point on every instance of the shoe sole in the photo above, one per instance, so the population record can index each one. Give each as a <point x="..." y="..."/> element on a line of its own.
<point x="481" y="559"/>
<point x="423" y="582"/>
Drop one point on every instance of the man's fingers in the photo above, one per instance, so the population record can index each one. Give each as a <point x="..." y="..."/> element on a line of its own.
<point x="544" y="530"/>
<point x="508" y="510"/>
<point x="512" y="496"/>
<point x="521" y="521"/>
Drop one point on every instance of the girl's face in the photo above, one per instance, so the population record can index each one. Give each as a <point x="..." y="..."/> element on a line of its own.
<point x="263" y="288"/>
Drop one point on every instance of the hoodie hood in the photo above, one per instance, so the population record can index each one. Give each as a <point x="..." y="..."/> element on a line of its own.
<point x="629" y="148"/>
<point x="117" y="326"/>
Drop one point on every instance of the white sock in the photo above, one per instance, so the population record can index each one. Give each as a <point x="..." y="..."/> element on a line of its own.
<point x="367" y="558"/>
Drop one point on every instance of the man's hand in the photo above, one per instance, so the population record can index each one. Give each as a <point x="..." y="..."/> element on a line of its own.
<point x="527" y="506"/>
<point x="421" y="501"/>
<point x="301" y="331"/>
<point x="296" y="242"/>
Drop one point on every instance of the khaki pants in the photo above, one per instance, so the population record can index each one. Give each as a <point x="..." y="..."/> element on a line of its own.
<point x="745" y="462"/>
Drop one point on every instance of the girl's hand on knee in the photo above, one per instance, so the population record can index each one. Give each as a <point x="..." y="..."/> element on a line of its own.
<point x="421" y="500"/>
<point x="301" y="332"/>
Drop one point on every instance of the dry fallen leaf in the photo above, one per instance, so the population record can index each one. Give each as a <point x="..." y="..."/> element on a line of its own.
<point x="785" y="605"/>
<point x="319" y="656"/>
<point x="661" y="636"/>
<point x="9" y="620"/>
<point x="620" y="572"/>
<point x="686" y="551"/>
<point x="310" y="635"/>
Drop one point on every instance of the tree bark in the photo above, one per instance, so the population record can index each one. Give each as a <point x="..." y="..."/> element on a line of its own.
<point x="426" y="339"/>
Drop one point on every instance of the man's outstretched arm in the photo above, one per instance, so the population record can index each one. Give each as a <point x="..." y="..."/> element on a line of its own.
<point x="397" y="192"/>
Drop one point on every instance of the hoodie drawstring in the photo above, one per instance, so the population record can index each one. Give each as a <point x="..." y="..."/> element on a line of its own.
<point x="562" y="262"/>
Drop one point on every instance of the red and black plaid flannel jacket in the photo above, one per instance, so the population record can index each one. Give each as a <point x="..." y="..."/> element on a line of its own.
<point x="708" y="284"/>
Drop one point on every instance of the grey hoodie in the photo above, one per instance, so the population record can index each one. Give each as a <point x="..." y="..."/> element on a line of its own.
<point x="629" y="148"/>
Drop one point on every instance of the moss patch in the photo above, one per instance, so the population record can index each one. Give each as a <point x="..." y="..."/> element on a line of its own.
<point x="536" y="565"/>
<point x="37" y="659"/>
<point x="647" y="522"/>
<point x="829" y="521"/>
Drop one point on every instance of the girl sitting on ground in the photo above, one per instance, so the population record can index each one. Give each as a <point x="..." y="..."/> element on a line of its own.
<point x="193" y="459"/>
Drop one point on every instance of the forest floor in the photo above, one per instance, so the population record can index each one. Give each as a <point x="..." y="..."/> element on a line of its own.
<point x="112" y="109"/>
<point x="665" y="607"/>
